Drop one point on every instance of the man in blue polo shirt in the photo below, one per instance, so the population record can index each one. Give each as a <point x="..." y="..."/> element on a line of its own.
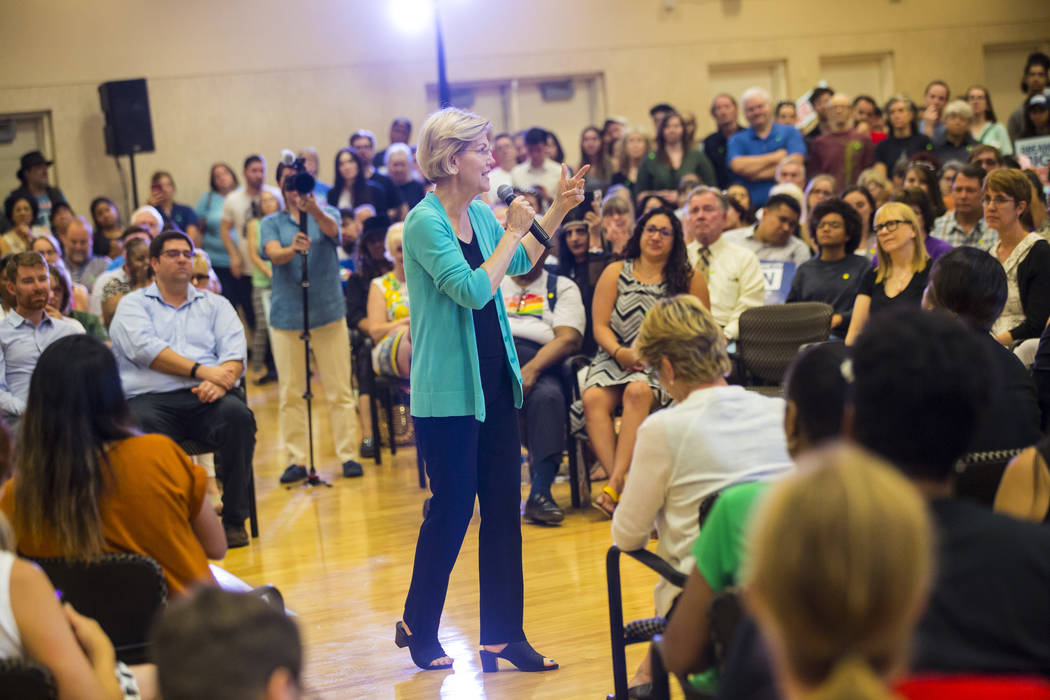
<point x="283" y="244"/>
<point x="753" y="154"/>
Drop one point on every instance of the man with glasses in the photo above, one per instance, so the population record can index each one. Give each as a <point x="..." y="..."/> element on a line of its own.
<point x="181" y="354"/>
<point x="965" y="224"/>
<point x="1033" y="82"/>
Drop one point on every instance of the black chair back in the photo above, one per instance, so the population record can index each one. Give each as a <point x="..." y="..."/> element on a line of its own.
<point x="978" y="475"/>
<point x="122" y="592"/>
<point x="23" y="679"/>
<point x="771" y="336"/>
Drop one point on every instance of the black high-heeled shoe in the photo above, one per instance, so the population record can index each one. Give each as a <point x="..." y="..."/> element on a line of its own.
<point x="521" y="654"/>
<point x="423" y="653"/>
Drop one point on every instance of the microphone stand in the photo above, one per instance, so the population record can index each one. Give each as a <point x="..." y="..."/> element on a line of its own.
<point x="312" y="479"/>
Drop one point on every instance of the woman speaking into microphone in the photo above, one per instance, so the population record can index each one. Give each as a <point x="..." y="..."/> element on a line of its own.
<point x="466" y="385"/>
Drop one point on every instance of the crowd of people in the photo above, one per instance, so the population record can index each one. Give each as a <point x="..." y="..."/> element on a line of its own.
<point x="917" y="223"/>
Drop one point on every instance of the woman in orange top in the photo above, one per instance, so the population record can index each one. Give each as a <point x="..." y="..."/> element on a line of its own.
<point x="86" y="482"/>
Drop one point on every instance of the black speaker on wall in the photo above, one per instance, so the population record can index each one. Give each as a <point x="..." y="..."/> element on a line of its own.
<point x="128" y="128"/>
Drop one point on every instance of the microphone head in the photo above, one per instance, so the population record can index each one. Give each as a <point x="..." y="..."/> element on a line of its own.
<point x="287" y="157"/>
<point x="506" y="193"/>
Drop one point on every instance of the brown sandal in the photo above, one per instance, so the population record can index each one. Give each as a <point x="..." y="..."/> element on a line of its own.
<point x="608" y="493"/>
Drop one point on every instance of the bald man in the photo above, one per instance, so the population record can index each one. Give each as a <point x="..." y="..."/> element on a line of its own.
<point x="842" y="152"/>
<point x="83" y="267"/>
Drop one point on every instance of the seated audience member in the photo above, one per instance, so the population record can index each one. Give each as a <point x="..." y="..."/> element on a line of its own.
<point x="957" y="142"/>
<point x="904" y="138"/>
<point x="1036" y="117"/>
<point x="119" y="275"/>
<point x="655" y="266"/>
<point x="181" y="353"/>
<point x="388" y="313"/>
<point x="1025" y="257"/>
<point x="633" y="149"/>
<point x="901" y="271"/>
<point x="61" y="214"/>
<point x="1033" y="82"/>
<point x="538" y="170"/>
<point x="970" y="284"/>
<point x="137" y="274"/>
<point x="863" y="203"/>
<point x="741" y="194"/>
<point x="922" y="173"/>
<point x="40" y="628"/>
<point x="21" y="209"/>
<point x="919" y="203"/>
<point x="965" y="224"/>
<point x="204" y="277"/>
<point x="834" y="276"/>
<point x="399" y="168"/>
<point x="505" y="153"/>
<point x="582" y="265"/>
<point x="841" y="151"/>
<point x="617" y="218"/>
<point x="733" y="274"/>
<point x="773" y="242"/>
<point x="27" y="330"/>
<point x="148" y="218"/>
<point x="713" y="436"/>
<point x="755" y="152"/>
<point x="674" y="157"/>
<point x="46" y="245"/>
<point x="786" y="113"/>
<point x="106" y="222"/>
<point x="547" y="319"/>
<point x="593" y="154"/>
<point x="988" y="612"/>
<point x="838" y="625"/>
<point x="84" y="267"/>
<point x="312" y="165"/>
<point x="815" y="394"/>
<point x="984" y="128"/>
<point x="104" y="487"/>
<point x="162" y="198"/>
<point x="725" y="112"/>
<point x="262" y="273"/>
<point x="877" y="185"/>
<point x="554" y="150"/>
<point x="261" y="646"/>
<point x="736" y="215"/>
<point x="648" y="202"/>
<point x="947" y="175"/>
<point x="790" y="170"/>
<point x="821" y="187"/>
<point x="60" y="304"/>
<point x="988" y="157"/>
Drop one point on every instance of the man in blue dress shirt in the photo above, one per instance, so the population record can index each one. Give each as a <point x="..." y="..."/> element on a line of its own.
<point x="181" y="353"/>
<point x="26" y="330"/>
<point x="754" y="153"/>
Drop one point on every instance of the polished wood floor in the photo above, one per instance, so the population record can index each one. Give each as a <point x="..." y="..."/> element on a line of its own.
<point x="342" y="557"/>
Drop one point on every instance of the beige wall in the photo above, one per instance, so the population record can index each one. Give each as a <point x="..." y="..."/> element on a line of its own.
<point x="234" y="77"/>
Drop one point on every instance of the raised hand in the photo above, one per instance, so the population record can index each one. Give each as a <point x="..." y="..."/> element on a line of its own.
<point x="570" y="189"/>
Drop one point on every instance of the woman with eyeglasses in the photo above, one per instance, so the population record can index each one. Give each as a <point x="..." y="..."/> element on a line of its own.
<point x="1024" y="256"/>
<point x="984" y="128"/>
<point x="655" y="266"/>
<point x="902" y="271"/>
<point x="834" y="276"/>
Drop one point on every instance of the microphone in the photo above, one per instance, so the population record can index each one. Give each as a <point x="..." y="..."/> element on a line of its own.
<point x="506" y="193"/>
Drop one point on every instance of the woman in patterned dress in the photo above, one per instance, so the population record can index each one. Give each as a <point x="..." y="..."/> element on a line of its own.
<point x="388" y="314"/>
<point x="655" y="266"/>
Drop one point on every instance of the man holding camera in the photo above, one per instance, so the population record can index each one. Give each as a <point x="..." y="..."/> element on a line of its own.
<point x="285" y="246"/>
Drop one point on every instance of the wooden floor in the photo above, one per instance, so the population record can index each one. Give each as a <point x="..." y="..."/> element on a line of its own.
<point x="342" y="557"/>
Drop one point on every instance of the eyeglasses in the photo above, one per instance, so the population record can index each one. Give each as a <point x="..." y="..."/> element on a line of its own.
<point x="200" y="278"/>
<point x="665" y="232"/>
<point x="484" y="151"/>
<point x="831" y="225"/>
<point x="174" y="254"/>
<point x="923" y="164"/>
<point x="890" y="226"/>
<point x="997" y="201"/>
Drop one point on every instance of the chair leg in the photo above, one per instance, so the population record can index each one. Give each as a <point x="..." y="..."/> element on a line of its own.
<point x="388" y="404"/>
<point x="574" y="477"/>
<point x="377" y="439"/>
<point x="616" y="638"/>
<point x="253" y="514"/>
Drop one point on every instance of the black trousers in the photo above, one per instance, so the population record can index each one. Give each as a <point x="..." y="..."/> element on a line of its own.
<point x="227" y="425"/>
<point x="544" y="408"/>
<point x="239" y="291"/>
<point x="467" y="459"/>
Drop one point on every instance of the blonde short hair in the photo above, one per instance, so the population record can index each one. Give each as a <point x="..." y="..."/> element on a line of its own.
<point x="682" y="330"/>
<point x="394" y="234"/>
<point x="444" y="134"/>
<point x="841" y="564"/>
<point x="899" y="210"/>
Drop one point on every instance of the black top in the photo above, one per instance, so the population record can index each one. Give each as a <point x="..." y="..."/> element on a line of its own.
<point x="487" y="332"/>
<point x="1011" y="420"/>
<point x="411" y="193"/>
<point x="715" y="147"/>
<point x="834" y="283"/>
<point x="910" y="296"/>
<point x="891" y="149"/>
<point x="1033" y="284"/>
<point x="989" y="611"/>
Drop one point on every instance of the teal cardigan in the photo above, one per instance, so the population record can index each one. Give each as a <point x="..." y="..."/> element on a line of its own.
<point x="446" y="376"/>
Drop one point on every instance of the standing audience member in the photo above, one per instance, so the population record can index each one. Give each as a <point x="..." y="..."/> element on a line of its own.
<point x="957" y="142"/>
<point x="754" y="153"/>
<point x="363" y="143"/>
<point x="283" y="244"/>
<point x="262" y="273"/>
<point x="841" y="151"/>
<point x="984" y="128"/>
<point x="674" y="157"/>
<point x="262" y="646"/>
<point x="786" y="113"/>
<point x="21" y="209"/>
<point x="965" y="224"/>
<point x="312" y="165"/>
<point x="61" y="216"/>
<point x="222" y="181"/>
<point x="1036" y="117"/>
<point x="867" y="118"/>
<point x="106" y="220"/>
<point x="934" y="97"/>
<point x="1033" y="82"/>
<point x="84" y="267"/>
<point x="399" y="168"/>
<point x="905" y="138"/>
<point x="137" y="275"/>
<point x="162" y="198"/>
<point x="538" y="170"/>
<point x="400" y="133"/>
<point x="352" y="188"/>
<point x="181" y="354"/>
<point x="506" y="155"/>
<point x="633" y="149"/>
<point x="734" y="277"/>
<point x="834" y="276"/>
<point x="104" y="487"/>
<point x="724" y="111"/>
<point x="26" y="331"/>
<point x="547" y="320"/>
<point x="655" y="266"/>
<point x="903" y="267"/>
<point x="32" y="173"/>
<point x="592" y="154"/>
<point x="819" y="100"/>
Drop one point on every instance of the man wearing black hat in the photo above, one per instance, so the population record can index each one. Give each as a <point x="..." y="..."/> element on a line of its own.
<point x="33" y="175"/>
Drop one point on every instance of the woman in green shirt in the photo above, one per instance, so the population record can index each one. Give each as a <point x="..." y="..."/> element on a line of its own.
<point x="675" y="156"/>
